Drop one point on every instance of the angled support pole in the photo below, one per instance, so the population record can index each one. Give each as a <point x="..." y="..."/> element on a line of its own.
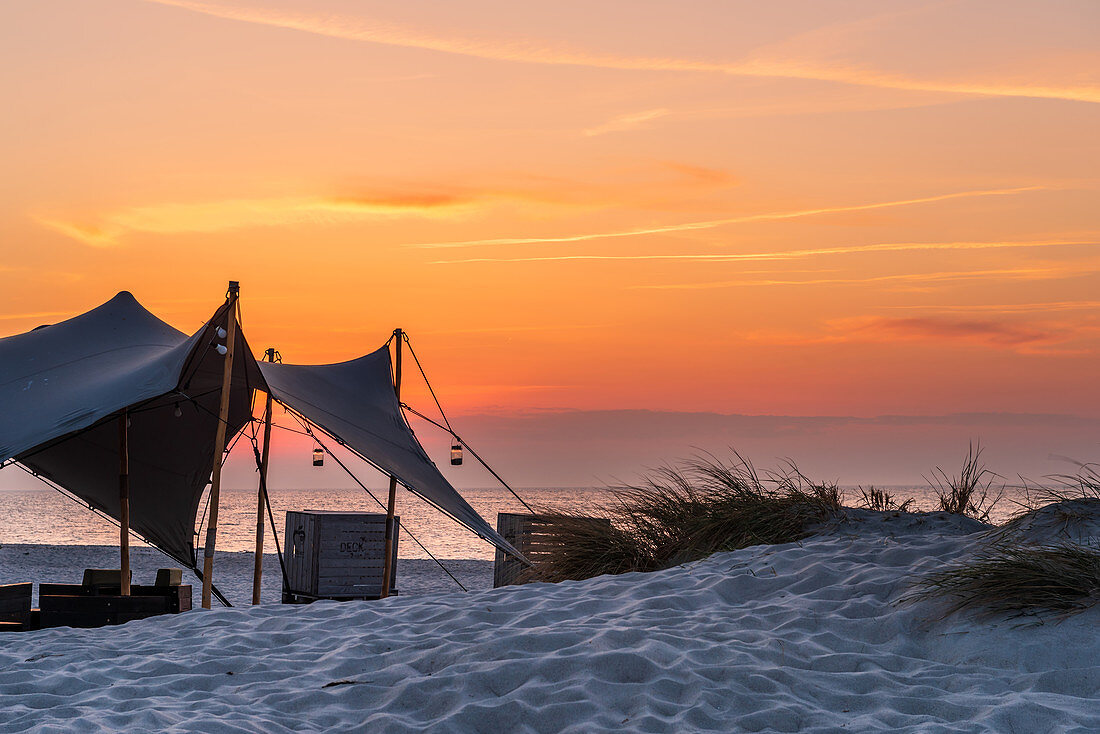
<point x="124" y="501"/>
<point x="219" y="445"/>
<point x="387" y="561"/>
<point x="258" y="566"/>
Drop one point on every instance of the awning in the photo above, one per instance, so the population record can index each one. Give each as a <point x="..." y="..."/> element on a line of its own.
<point x="62" y="388"/>
<point x="355" y="402"/>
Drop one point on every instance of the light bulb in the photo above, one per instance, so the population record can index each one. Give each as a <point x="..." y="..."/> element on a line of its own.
<point x="221" y="333"/>
<point x="222" y="349"/>
<point x="129" y="422"/>
<point x="177" y="412"/>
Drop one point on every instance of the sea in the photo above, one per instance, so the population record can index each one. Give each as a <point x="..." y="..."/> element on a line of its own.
<point x="41" y="515"/>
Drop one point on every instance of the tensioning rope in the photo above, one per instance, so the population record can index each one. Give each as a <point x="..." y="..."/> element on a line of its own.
<point x="306" y="425"/>
<point x="450" y="430"/>
<point x="67" y="495"/>
<point x="198" y="528"/>
<point x="473" y="453"/>
<point x="270" y="515"/>
<point x="308" y="432"/>
<point x="268" y="421"/>
<point x="424" y="375"/>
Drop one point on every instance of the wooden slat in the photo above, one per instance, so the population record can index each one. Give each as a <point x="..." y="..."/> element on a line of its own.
<point x="62" y="589"/>
<point x="104" y="604"/>
<point x="530" y="535"/>
<point x="51" y="618"/>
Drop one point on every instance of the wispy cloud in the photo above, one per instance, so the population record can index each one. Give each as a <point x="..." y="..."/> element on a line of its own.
<point x="35" y="315"/>
<point x="701" y="174"/>
<point x="917" y="278"/>
<point x="622" y="123"/>
<point x="789" y="254"/>
<point x="371" y="30"/>
<point x="714" y="223"/>
<point x="996" y="333"/>
<point x="1005" y="308"/>
<point x="999" y="333"/>
<point x="508" y="329"/>
<point x="384" y="200"/>
<point x="212" y="216"/>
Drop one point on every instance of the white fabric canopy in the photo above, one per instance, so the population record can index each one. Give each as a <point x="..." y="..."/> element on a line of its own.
<point x="62" y="388"/>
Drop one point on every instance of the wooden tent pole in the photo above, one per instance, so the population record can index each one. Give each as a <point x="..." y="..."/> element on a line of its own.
<point x="258" y="568"/>
<point x="124" y="501"/>
<point x="219" y="445"/>
<point x="387" y="561"/>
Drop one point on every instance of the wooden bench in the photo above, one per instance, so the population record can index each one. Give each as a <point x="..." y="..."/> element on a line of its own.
<point x="98" y="601"/>
<point x="529" y="534"/>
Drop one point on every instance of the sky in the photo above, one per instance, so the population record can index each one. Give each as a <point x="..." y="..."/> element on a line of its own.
<point x="858" y="233"/>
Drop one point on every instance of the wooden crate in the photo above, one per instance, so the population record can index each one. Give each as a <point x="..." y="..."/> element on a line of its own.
<point x="527" y="534"/>
<point x="337" y="555"/>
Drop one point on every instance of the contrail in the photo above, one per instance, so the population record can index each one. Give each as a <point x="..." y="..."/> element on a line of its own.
<point x="393" y="34"/>
<point x="785" y="254"/>
<point x="711" y="224"/>
<point x="950" y="275"/>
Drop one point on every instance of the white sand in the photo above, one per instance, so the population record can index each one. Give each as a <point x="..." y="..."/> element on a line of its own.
<point x="799" y="637"/>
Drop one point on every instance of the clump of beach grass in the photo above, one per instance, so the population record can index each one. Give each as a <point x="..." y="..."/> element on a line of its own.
<point x="880" y="500"/>
<point x="1016" y="580"/>
<point x="1083" y="485"/>
<point x="683" y="513"/>
<point x="1066" y="505"/>
<point x="973" y="492"/>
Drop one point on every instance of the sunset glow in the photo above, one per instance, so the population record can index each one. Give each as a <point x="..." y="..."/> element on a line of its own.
<point x="800" y="209"/>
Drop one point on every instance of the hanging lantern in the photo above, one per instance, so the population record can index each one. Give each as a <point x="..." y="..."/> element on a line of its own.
<point x="318" y="457"/>
<point x="456" y="453"/>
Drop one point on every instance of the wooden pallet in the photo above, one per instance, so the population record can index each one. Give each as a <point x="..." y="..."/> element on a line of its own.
<point x="529" y="535"/>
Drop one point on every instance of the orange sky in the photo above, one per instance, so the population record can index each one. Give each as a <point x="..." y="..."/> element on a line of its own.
<point x="842" y="208"/>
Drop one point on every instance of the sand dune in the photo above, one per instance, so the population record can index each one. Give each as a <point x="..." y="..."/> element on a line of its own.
<point x="797" y="637"/>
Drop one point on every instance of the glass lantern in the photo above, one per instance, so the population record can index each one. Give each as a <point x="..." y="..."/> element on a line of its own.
<point x="456" y="454"/>
<point x="318" y="457"/>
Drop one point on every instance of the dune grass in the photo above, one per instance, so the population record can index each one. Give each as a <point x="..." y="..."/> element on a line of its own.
<point x="973" y="492"/>
<point x="1013" y="577"/>
<point x="688" y="511"/>
<point x="1017" y="580"/>
<point x="1084" y="485"/>
<point x="683" y="513"/>
<point x="880" y="500"/>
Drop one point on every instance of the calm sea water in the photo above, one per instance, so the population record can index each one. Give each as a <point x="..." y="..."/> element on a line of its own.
<point x="42" y="515"/>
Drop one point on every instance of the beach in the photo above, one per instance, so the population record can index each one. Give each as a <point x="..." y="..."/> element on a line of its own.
<point x="805" y="636"/>
<point x="758" y="339"/>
